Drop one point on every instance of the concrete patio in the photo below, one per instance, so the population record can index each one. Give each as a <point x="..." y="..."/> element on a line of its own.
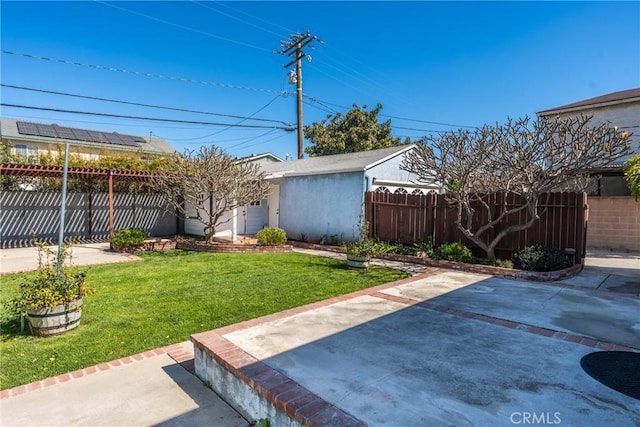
<point x="443" y="348"/>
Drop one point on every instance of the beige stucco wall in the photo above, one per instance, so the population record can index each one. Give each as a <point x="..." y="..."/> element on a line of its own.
<point x="614" y="224"/>
<point x="626" y="116"/>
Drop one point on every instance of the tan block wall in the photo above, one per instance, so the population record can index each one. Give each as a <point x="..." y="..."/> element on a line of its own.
<point x="614" y="223"/>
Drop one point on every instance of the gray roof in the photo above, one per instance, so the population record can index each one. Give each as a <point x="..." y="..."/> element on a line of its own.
<point x="255" y="157"/>
<point x="338" y="163"/>
<point x="9" y="130"/>
<point x="613" y="98"/>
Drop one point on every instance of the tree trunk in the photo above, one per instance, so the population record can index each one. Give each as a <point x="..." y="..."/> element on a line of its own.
<point x="491" y="254"/>
<point x="209" y="231"/>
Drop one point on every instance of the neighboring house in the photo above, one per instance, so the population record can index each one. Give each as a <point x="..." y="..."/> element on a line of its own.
<point x="322" y="198"/>
<point x="614" y="216"/>
<point x="245" y="220"/>
<point x="30" y="139"/>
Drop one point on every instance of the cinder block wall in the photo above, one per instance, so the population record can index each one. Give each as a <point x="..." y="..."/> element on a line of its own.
<point x="614" y="224"/>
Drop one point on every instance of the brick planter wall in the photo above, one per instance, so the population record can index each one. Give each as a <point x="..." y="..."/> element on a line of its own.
<point x="537" y="276"/>
<point x="230" y="248"/>
<point x="472" y="268"/>
<point x="162" y="245"/>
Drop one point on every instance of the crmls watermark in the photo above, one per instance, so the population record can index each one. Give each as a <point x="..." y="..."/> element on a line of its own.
<point x="535" y="418"/>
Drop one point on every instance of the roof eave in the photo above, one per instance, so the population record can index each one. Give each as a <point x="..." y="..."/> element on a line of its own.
<point x="390" y="156"/>
<point x="562" y="110"/>
<point x="287" y="174"/>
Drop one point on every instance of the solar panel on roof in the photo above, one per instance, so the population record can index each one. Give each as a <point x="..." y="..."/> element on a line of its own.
<point x="126" y="139"/>
<point x="113" y="138"/>
<point x="66" y="133"/>
<point x="55" y="131"/>
<point x="94" y="136"/>
<point x="46" y="130"/>
<point x="81" y="134"/>
<point x="27" y="128"/>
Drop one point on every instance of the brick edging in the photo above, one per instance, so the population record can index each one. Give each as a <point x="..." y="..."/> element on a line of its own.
<point x="234" y="248"/>
<point x="513" y="273"/>
<point x="535" y="276"/>
<point x="175" y="351"/>
<point x="536" y="330"/>
<point x="300" y="404"/>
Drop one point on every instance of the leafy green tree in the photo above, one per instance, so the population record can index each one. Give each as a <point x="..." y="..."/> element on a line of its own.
<point x="357" y="130"/>
<point x="632" y="174"/>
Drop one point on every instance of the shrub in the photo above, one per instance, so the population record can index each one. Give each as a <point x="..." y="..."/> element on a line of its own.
<point x="425" y="247"/>
<point x="541" y="258"/>
<point x="272" y="236"/>
<point x="453" y="252"/>
<point x="128" y="238"/>
<point x="380" y="247"/>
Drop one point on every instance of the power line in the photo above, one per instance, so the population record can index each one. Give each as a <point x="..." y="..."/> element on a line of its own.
<point x="288" y="30"/>
<point x="93" y="122"/>
<point x="96" y="98"/>
<point x="236" y="18"/>
<point x="395" y="117"/>
<point x="428" y="121"/>
<point x="320" y="107"/>
<point x="156" y="119"/>
<point x="139" y="73"/>
<point x="184" y="27"/>
<point x="258" y="143"/>
<point x="249" y="118"/>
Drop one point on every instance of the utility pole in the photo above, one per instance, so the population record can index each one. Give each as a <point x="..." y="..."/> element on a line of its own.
<point x="293" y="49"/>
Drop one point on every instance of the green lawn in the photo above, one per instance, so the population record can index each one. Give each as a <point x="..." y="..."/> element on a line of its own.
<point x="167" y="297"/>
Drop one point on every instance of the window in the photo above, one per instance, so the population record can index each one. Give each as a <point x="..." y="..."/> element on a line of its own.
<point x="400" y="191"/>
<point x="417" y="192"/>
<point x="257" y="203"/>
<point x="27" y="152"/>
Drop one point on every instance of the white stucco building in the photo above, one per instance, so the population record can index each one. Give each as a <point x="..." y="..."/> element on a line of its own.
<point x="244" y="220"/>
<point x="322" y="198"/>
<point x="319" y="198"/>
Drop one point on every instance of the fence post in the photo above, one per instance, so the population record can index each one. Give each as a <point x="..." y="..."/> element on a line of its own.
<point x="368" y="212"/>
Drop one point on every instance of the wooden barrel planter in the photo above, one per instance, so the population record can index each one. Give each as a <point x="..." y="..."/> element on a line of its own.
<point x="49" y="321"/>
<point x="356" y="262"/>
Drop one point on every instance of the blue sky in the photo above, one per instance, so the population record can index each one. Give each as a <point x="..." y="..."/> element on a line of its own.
<point x="434" y="66"/>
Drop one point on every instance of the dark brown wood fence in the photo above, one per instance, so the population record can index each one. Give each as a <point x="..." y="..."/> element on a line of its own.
<point x="408" y="219"/>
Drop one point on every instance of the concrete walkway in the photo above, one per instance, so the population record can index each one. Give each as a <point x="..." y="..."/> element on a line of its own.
<point x="152" y="388"/>
<point x="17" y="260"/>
<point x="487" y="346"/>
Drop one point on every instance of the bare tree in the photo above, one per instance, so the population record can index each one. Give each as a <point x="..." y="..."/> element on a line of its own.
<point x="527" y="158"/>
<point x="211" y="183"/>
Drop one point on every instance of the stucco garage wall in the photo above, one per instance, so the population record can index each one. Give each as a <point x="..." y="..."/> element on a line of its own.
<point x="321" y="205"/>
<point x="390" y="171"/>
<point x="196" y="228"/>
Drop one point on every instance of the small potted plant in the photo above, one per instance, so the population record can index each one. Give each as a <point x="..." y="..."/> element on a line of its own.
<point x="359" y="252"/>
<point x="51" y="299"/>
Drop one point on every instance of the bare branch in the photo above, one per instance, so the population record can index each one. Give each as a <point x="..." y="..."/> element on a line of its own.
<point x="211" y="183"/>
<point x="521" y="157"/>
